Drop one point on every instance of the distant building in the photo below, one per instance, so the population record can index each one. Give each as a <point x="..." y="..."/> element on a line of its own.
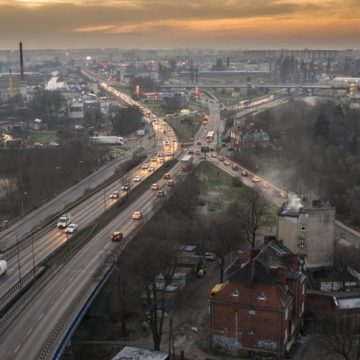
<point x="259" y="309"/>
<point x="306" y="227"/>
<point x="247" y="138"/>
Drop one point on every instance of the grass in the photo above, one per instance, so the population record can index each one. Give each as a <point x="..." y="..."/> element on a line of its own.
<point x="217" y="186"/>
<point x="184" y="132"/>
<point x="43" y="137"/>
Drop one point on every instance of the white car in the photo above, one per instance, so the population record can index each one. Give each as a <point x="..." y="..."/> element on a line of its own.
<point x="210" y="256"/>
<point x="145" y="166"/>
<point x="151" y="169"/>
<point x="64" y="221"/>
<point x="114" y="195"/>
<point x="137" y="179"/>
<point x="71" y="228"/>
<point x="154" y="186"/>
<point x="137" y="215"/>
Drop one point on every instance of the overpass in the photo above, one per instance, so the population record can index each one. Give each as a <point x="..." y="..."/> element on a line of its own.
<point x="257" y="86"/>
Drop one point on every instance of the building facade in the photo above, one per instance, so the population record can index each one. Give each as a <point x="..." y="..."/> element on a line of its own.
<point x="259" y="309"/>
<point x="307" y="228"/>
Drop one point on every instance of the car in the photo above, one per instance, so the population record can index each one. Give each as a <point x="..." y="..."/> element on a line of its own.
<point x="230" y="149"/>
<point x="117" y="236"/>
<point x="266" y="185"/>
<point x="169" y="154"/>
<point x="114" y="195"/>
<point x="145" y="166"/>
<point x="214" y="155"/>
<point x="167" y="176"/>
<point x="198" y="143"/>
<point x="3" y="267"/>
<point x="125" y="187"/>
<point x="166" y="142"/>
<point x="64" y="221"/>
<point x="255" y="179"/>
<point x="170" y="183"/>
<point x="227" y="163"/>
<point x="137" y="215"/>
<point x="209" y="256"/>
<point x="137" y="179"/>
<point x="191" y="151"/>
<point x="160" y="155"/>
<point x="154" y="186"/>
<point x="154" y="159"/>
<point x="150" y="169"/>
<point x="221" y="158"/>
<point x="235" y="166"/>
<point x="245" y="173"/>
<point x="161" y="160"/>
<point x="160" y="193"/>
<point x="71" y="228"/>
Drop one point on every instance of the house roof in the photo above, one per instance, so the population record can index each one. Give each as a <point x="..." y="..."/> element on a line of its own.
<point x="133" y="353"/>
<point x="253" y="269"/>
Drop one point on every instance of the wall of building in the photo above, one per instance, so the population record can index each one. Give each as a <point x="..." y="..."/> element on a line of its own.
<point x="316" y="228"/>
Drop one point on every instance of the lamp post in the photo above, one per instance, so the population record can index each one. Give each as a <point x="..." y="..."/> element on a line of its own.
<point x="18" y="258"/>
<point x="22" y="203"/>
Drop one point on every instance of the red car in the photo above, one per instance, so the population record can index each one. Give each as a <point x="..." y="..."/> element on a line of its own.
<point x="117" y="236"/>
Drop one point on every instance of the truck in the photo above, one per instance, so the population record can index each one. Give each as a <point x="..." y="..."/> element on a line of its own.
<point x="186" y="162"/>
<point x="107" y="140"/>
<point x="64" y="221"/>
<point x="3" y="267"/>
<point x="210" y="136"/>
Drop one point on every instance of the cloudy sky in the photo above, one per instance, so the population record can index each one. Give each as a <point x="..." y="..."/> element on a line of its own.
<point x="180" y="23"/>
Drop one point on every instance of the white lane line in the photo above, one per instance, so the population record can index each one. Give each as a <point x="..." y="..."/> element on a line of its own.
<point x="17" y="349"/>
<point x="41" y="315"/>
<point x="29" y="332"/>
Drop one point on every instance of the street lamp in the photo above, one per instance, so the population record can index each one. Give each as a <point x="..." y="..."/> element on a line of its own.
<point x="22" y="203"/>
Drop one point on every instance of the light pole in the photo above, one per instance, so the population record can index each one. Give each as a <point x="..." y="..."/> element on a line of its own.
<point x="18" y="257"/>
<point x="22" y="203"/>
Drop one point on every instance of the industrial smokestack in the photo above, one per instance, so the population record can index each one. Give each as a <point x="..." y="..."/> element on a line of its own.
<point x="21" y="62"/>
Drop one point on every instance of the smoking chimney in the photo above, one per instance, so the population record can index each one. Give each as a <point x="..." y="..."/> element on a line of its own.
<point x="21" y="63"/>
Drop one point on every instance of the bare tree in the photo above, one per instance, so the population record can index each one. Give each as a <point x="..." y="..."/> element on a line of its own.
<point x="224" y="236"/>
<point x="338" y="335"/>
<point x="152" y="266"/>
<point x="252" y="211"/>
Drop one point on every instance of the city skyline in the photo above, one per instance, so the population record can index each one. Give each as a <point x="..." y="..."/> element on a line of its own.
<point x="249" y="24"/>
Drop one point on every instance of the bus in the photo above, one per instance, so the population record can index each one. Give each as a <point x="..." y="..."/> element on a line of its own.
<point x="210" y="137"/>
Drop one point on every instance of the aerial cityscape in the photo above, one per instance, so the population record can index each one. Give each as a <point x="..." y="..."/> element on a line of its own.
<point x="179" y="181"/>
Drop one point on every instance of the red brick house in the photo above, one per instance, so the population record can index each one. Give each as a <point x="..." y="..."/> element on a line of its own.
<point x="259" y="309"/>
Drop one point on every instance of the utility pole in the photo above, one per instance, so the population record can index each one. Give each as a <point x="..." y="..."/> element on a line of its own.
<point x="18" y="257"/>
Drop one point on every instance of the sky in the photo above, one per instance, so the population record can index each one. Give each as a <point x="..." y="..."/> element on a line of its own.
<point x="246" y="24"/>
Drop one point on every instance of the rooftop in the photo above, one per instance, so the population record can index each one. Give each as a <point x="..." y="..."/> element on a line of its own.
<point x="133" y="353"/>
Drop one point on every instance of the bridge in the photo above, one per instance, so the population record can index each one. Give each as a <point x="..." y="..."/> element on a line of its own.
<point x="257" y="86"/>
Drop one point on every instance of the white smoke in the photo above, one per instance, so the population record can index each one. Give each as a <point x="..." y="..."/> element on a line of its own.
<point x="294" y="203"/>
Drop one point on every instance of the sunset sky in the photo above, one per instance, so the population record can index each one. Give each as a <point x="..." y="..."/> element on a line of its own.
<point x="250" y="24"/>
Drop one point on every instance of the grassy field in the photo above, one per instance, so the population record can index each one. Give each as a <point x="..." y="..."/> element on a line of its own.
<point x="217" y="187"/>
<point x="43" y="137"/>
<point x="185" y="132"/>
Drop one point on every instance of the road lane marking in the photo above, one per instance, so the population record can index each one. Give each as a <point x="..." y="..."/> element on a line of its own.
<point x="41" y="315"/>
<point x="29" y="332"/>
<point x="17" y="349"/>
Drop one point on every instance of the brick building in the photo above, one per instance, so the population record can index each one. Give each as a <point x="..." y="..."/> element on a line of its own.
<point x="259" y="309"/>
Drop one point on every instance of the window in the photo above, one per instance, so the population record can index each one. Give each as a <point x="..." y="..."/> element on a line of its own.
<point x="252" y="312"/>
<point x="262" y="296"/>
<point x="301" y="242"/>
<point x="235" y="293"/>
<point x="252" y="332"/>
<point x="303" y="228"/>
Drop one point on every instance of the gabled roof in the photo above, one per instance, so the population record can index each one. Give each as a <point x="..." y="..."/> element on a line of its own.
<point x="255" y="272"/>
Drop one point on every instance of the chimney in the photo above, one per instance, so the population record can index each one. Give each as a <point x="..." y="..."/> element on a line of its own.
<point x="21" y="63"/>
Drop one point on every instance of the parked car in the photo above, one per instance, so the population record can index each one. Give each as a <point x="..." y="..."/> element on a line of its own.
<point x="3" y="267"/>
<point x="114" y="195"/>
<point x="117" y="236"/>
<point x="209" y="256"/>
<point x="71" y="228"/>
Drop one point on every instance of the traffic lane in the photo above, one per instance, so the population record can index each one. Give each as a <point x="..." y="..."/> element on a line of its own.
<point x="78" y="269"/>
